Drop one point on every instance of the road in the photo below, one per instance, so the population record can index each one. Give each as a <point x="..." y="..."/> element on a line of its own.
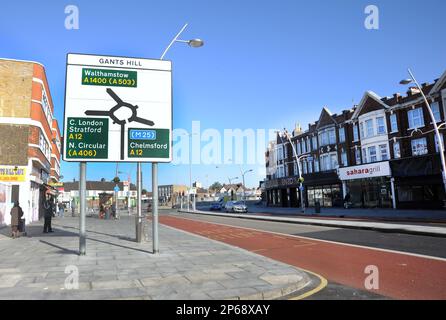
<point x="409" y="266"/>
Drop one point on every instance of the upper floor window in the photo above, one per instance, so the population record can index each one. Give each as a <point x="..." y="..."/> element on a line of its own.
<point x="383" y="151"/>
<point x="369" y="128"/>
<point x="314" y="142"/>
<point x="304" y="167"/>
<point x="344" y="158"/>
<point x="310" y="166"/>
<point x="364" y="155"/>
<point x="415" y="117"/>
<point x="304" y="146"/>
<point x="341" y="134"/>
<point x="381" y="127"/>
<point x="437" y="147"/>
<point x="308" y="144"/>
<point x="333" y="160"/>
<point x="396" y="150"/>
<point x="316" y="165"/>
<point x="361" y="130"/>
<point x="419" y="147"/>
<point x="355" y="132"/>
<point x="327" y="136"/>
<point x="358" y="156"/>
<point x="436" y="111"/>
<point x="332" y="136"/>
<point x="298" y="147"/>
<point x="280" y="152"/>
<point x="372" y="154"/>
<point x="393" y="123"/>
<point x="325" y="162"/>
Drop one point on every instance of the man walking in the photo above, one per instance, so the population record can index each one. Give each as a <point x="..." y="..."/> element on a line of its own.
<point x="73" y="207"/>
<point x="48" y="215"/>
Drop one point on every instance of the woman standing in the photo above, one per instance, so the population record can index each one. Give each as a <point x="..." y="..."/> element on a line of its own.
<point x="16" y="215"/>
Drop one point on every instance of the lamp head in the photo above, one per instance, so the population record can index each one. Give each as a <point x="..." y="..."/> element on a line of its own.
<point x="405" y="81"/>
<point x="196" y="43"/>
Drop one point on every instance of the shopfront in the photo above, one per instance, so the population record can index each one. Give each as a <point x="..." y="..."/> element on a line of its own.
<point x="418" y="182"/>
<point x="369" y="185"/>
<point x="283" y="192"/>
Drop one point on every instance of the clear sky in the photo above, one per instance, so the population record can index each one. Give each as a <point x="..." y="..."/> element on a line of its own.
<point x="265" y="64"/>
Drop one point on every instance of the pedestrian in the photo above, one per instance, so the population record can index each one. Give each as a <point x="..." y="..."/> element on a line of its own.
<point x="101" y="211"/>
<point x="61" y="209"/>
<point x="347" y="200"/>
<point x="16" y="216"/>
<point x="48" y="214"/>
<point x="113" y="210"/>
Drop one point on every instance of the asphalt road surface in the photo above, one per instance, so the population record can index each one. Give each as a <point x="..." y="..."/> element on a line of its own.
<point x="410" y="266"/>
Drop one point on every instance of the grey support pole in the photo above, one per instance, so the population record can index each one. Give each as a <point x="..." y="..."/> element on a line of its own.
<point x="138" y="218"/>
<point x="82" y="206"/>
<point x="155" y="207"/>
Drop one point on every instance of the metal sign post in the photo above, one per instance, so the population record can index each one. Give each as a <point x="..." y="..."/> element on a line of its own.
<point x="155" y="207"/>
<point x="82" y="207"/>
<point x="138" y="219"/>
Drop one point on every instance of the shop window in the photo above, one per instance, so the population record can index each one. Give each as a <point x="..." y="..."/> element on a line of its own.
<point x="396" y="150"/>
<point x="383" y="151"/>
<point x="372" y="154"/>
<point x="415" y="117"/>
<point x="419" y="147"/>
<point x="310" y="195"/>
<point x="393" y="123"/>
<point x="436" y="111"/>
<point x="327" y="197"/>
<point x="381" y="127"/>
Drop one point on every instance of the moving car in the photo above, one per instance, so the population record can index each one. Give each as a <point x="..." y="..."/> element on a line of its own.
<point x="236" y="207"/>
<point x="216" y="206"/>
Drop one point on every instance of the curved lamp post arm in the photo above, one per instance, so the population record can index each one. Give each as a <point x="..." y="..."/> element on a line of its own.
<point x="173" y="41"/>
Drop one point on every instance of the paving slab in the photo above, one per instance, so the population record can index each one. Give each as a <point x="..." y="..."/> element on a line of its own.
<point x="47" y="266"/>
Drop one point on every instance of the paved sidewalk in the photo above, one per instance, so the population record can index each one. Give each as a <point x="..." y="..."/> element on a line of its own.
<point x="438" y="231"/>
<point x="116" y="267"/>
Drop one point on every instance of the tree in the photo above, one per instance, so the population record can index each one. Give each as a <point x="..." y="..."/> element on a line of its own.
<point x="216" y="186"/>
<point x="116" y="180"/>
<point x="144" y="191"/>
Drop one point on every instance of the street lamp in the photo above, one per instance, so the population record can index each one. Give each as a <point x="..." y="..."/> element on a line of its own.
<point x="243" y="177"/>
<point x="434" y="122"/>
<point x="298" y="167"/>
<point x="194" y="43"/>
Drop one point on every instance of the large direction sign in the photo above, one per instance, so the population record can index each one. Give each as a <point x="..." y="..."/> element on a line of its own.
<point x="117" y="109"/>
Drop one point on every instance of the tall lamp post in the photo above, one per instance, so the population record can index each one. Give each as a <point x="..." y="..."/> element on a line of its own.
<point x="190" y="167"/>
<point x="431" y="114"/>
<point x="243" y="178"/>
<point x="301" y="189"/>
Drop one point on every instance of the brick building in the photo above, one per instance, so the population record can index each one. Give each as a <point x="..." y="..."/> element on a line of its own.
<point x="382" y="152"/>
<point x="29" y="137"/>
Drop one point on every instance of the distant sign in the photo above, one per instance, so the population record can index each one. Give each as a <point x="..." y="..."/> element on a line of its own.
<point x="117" y="109"/>
<point x="116" y="188"/>
<point x="12" y="174"/>
<point x="372" y="170"/>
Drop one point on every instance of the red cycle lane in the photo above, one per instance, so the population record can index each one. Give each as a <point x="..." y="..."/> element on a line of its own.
<point x="401" y="276"/>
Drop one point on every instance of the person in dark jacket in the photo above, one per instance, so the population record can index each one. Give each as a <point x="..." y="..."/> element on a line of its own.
<point x="48" y="214"/>
<point x="16" y="215"/>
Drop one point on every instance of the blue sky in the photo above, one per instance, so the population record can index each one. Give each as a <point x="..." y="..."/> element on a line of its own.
<point x="266" y="64"/>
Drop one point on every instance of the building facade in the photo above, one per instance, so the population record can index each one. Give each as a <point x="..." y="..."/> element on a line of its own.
<point x="382" y="153"/>
<point x="29" y="138"/>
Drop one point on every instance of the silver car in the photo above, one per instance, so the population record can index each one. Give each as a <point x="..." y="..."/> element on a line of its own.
<point x="236" y="207"/>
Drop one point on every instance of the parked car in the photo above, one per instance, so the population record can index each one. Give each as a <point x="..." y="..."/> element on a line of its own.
<point x="216" y="206"/>
<point x="236" y="207"/>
